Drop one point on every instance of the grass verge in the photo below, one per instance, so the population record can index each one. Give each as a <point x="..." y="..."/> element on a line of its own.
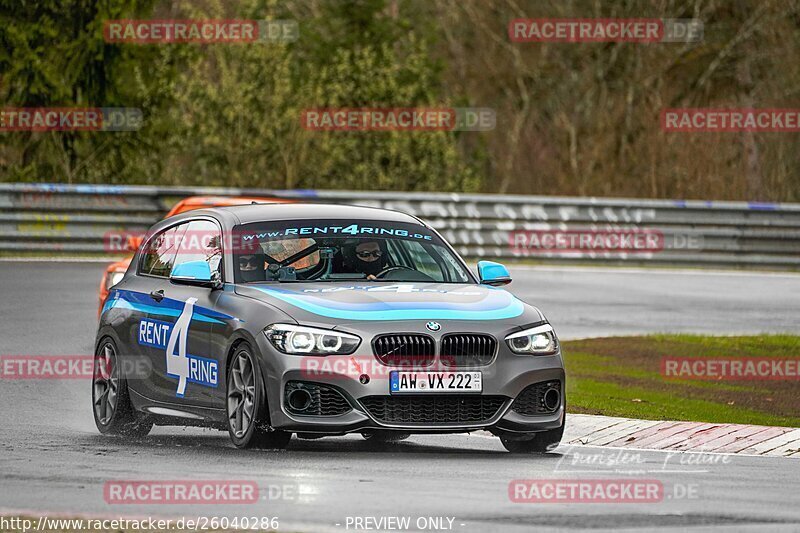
<point x="621" y="376"/>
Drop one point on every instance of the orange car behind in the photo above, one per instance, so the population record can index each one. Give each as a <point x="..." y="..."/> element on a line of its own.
<point x="116" y="270"/>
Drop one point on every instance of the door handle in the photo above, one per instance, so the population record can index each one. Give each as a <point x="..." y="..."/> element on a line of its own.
<point x="157" y="295"/>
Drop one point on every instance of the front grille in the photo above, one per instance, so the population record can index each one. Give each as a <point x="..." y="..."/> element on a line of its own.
<point x="404" y="350"/>
<point x="531" y="401"/>
<point x="467" y="349"/>
<point x="325" y="401"/>
<point x="433" y="409"/>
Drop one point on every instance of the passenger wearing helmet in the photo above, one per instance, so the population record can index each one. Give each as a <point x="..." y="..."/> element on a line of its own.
<point x="368" y="257"/>
<point x="251" y="267"/>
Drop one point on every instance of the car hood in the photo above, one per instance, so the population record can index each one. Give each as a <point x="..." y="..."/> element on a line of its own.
<point x="332" y="304"/>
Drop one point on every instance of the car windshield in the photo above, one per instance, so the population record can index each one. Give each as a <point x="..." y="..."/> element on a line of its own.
<point x="338" y="250"/>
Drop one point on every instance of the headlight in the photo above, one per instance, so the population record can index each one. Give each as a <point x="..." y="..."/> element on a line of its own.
<point x="540" y="340"/>
<point x="113" y="278"/>
<point x="300" y="340"/>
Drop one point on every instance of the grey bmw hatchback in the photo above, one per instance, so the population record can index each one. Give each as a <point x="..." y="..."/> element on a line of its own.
<point x="321" y="320"/>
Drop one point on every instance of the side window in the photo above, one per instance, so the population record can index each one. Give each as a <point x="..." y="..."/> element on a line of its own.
<point x="159" y="256"/>
<point x="201" y="241"/>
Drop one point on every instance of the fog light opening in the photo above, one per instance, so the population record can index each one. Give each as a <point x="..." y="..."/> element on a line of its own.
<point x="299" y="400"/>
<point x="552" y="399"/>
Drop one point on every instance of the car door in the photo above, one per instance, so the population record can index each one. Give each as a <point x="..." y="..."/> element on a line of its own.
<point x="139" y="295"/>
<point x="164" y="311"/>
<point x="185" y="369"/>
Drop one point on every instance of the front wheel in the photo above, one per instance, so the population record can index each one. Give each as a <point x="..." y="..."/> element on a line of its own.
<point x="248" y="413"/>
<point x="541" y="442"/>
<point x="113" y="411"/>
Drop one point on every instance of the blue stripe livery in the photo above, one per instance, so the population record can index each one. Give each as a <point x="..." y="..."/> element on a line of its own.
<point x="495" y="305"/>
<point x="169" y="307"/>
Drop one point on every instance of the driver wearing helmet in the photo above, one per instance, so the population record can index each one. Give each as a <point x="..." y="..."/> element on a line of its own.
<point x="251" y="267"/>
<point x="368" y="257"/>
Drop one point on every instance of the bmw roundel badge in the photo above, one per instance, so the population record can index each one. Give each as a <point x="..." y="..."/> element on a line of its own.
<point x="433" y="326"/>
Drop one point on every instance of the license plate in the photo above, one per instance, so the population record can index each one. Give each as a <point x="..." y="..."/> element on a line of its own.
<point x="437" y="382"/>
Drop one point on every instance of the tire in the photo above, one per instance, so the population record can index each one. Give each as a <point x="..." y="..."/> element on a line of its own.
<point x="540" y="442"/>
<point x="246" y="403"/>
<point x="384" y="437"/>
<point x="111" y="403"/>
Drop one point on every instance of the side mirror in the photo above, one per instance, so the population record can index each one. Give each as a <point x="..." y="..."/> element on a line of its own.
<point x="196" y="273"/>
<point x="491" y="273"/>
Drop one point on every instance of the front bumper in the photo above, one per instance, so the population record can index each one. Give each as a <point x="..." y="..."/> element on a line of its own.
<point x="503" y="379"/>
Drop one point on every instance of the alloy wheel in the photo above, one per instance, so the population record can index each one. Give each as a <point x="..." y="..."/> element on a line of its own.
<point x="241" y="394"/>
<point x="106" y="383"/>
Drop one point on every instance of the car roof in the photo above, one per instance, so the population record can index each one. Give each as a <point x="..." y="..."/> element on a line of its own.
<point x="268" y="212"/>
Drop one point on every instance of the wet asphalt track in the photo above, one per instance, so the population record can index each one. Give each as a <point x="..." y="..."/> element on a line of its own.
<point x="52" y="460"/>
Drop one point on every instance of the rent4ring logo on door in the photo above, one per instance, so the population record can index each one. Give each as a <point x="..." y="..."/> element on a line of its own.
<point x="172" y="339"/>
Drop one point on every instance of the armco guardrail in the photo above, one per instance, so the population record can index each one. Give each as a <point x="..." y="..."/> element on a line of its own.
<point x="75" y="219"/>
